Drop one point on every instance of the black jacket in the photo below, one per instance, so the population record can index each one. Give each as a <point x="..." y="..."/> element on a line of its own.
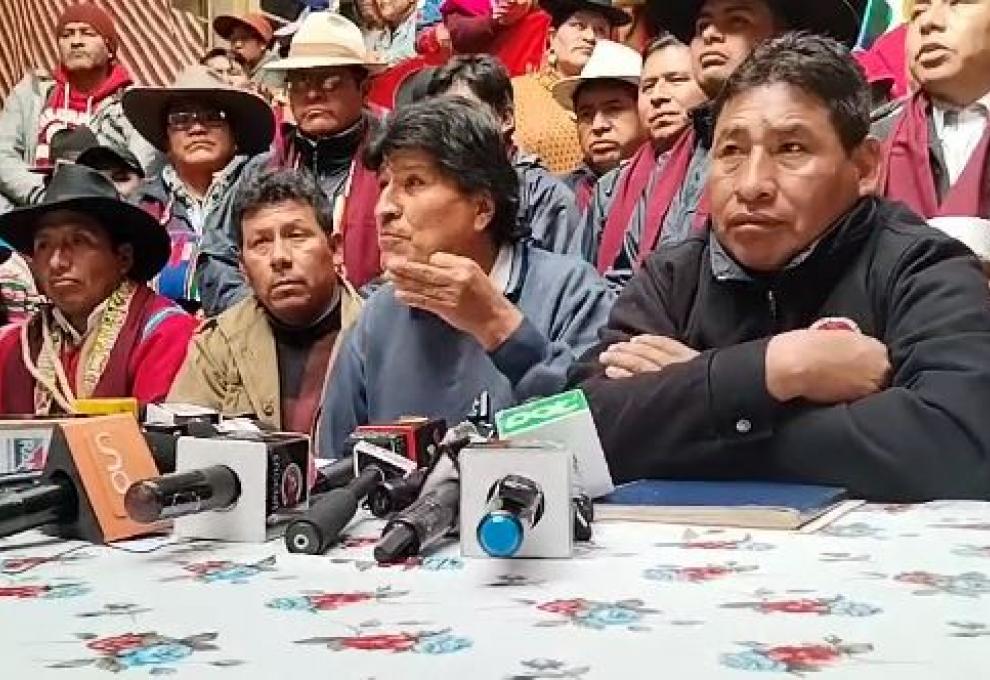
<point x="918" y="291"/>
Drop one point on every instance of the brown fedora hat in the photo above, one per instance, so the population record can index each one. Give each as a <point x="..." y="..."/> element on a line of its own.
<point x="251" y="119"/>
<point x="225" y="24"/>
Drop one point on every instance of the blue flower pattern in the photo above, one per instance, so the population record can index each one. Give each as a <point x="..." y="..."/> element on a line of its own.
<point x="443" y="643"/>
<point x="752" y="661"/>
<point x="155" y="655"/>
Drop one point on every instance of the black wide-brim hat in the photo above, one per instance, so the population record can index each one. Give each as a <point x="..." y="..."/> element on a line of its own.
<point x="838" y="19"/>
<point x="561" y="10"/>
<point x="83" y="190"/>
<point x="251" y="118"/>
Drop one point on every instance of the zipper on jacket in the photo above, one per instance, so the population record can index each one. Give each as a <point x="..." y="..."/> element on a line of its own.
<point x="772" y="302"/>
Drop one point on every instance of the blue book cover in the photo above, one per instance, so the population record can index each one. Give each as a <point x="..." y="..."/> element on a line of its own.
<point x="753" y="504"/>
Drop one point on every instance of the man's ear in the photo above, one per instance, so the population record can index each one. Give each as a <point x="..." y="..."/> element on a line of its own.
<point x="485" y="211"/>
<point x="336" y="241"/>
<point x="868" y="159"/>
<point x="125" y="255"/>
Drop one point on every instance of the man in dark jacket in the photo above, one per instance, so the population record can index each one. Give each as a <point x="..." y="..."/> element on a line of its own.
<point x="720" y="34"/>
<point x="546" y="205"/>
<point x="818" y="334"/>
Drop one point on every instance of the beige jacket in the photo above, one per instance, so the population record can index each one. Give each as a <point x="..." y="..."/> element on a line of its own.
<point x="232" y="365"/>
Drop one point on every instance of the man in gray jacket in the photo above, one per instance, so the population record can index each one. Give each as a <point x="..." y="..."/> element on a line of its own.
<point x="85" y="89"/>
<point x="470" y="306"/>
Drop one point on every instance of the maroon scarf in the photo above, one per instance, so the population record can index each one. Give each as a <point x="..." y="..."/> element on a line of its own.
<point x="632" y="185"/>
<point x="908" y="169"/>
<point x="584" y="190"/>
<point x="362" y="259"/>
<point x="18" y="384"/>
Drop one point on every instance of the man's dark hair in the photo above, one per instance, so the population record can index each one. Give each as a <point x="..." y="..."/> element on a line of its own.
<point x="819" y="66"/>
<point x="484" y="75"/>
<point x="661" y="42"/>
<point x="275" y="186"/>
<point x="466" y="145"/>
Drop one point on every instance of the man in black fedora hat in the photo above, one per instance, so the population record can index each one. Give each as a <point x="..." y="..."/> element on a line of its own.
<point x="104" y="333"/>
<point x="720" y="34"/>
<point x="208" y="131"/>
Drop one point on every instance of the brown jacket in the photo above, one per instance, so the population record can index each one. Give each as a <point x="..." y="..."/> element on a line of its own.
<point x="232" y="365"/>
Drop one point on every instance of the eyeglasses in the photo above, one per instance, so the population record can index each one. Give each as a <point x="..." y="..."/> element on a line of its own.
<point x="307" y="81"/>
<point x="183" y="121"/>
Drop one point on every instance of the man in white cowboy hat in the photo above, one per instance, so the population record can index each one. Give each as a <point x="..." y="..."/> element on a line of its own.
<point x="546" y="205"/>
<point x="208" y="131"/>
<point x="326" y="77"/>
<point x="105" y="333"/>
<point x="720" y="35"/>
<point x="603" y="99"/>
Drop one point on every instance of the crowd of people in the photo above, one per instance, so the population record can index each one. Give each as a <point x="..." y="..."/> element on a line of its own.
<point x="757" y="258"/>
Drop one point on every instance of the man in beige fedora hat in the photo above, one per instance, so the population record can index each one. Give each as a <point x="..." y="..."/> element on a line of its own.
<point x="326" y="77"/>
<point x="603" y="99"/>
<point x="208" y="131"/>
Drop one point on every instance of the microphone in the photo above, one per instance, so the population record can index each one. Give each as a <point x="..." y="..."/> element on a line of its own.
<point x="91" y="462"/>
<point x="420" y="525"/>
<point x="515" y="506"/>
<point x="229" y="486"/>
<point x="182" y="493"/>
<point x="315" y="532"/>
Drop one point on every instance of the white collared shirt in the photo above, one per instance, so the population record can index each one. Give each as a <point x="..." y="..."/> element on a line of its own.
<point x="92" y="323"/>
<point x="959" y="132"/>
<point x="502" y="269"/>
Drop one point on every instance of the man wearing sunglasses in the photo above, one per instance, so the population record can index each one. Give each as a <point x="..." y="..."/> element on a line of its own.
<point x="208" y="131"/>
<point x="326" y="76"/>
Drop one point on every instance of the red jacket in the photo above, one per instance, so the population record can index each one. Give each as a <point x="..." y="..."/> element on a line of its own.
<point x="150" y="349"/>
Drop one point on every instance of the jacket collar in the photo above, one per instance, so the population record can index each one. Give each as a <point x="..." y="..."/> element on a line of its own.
<point x="849" y="230"/>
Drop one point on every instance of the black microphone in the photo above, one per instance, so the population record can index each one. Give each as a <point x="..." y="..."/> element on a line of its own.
<point x="320" y="527"/>
<point x="336" y="474"/>
<point x="421" y="524"/>
<point x="36" y="505"/>
<point x="182" y="493"/>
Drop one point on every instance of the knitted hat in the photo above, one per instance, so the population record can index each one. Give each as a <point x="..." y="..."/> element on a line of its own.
<point x="94" y="16"/>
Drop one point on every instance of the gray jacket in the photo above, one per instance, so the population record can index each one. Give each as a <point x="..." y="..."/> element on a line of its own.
<point x="547" y="206"/>
<point x="19" y="136"/>
<point x="399" y="361"/>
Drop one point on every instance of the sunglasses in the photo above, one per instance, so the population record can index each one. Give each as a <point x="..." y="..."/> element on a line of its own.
<point x="184" y="121"/>
<point x="307" y="81"/>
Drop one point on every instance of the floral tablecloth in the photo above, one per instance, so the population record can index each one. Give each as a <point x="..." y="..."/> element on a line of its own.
<point x="886" y="592"/>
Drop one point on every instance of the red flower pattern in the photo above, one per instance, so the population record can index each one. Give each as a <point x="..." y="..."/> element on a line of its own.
<point x="568" y="608"/>
<point x="401" y="642"/>
<point x="795" y="607"/>
<point x="804" y="655"/>
<point x="23" y="592"/>
<point x="117" y="645"/>
<point x="328" y="601"/>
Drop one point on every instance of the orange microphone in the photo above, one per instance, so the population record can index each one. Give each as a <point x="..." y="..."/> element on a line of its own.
<point x="91" y="463"/>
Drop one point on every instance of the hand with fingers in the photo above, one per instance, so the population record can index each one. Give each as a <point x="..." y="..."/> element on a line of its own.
<point x="457" y="290"/>
<point x="644" y="354"/>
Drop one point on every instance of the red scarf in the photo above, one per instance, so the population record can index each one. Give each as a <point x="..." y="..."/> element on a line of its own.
<point x="362" y="259"/>
<point x="908" y="169"/>
<point x="632" y="186"/>
<point x="584" y="190"/>
<point x="18" y="384"/>
<point x="69" y="108"/>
